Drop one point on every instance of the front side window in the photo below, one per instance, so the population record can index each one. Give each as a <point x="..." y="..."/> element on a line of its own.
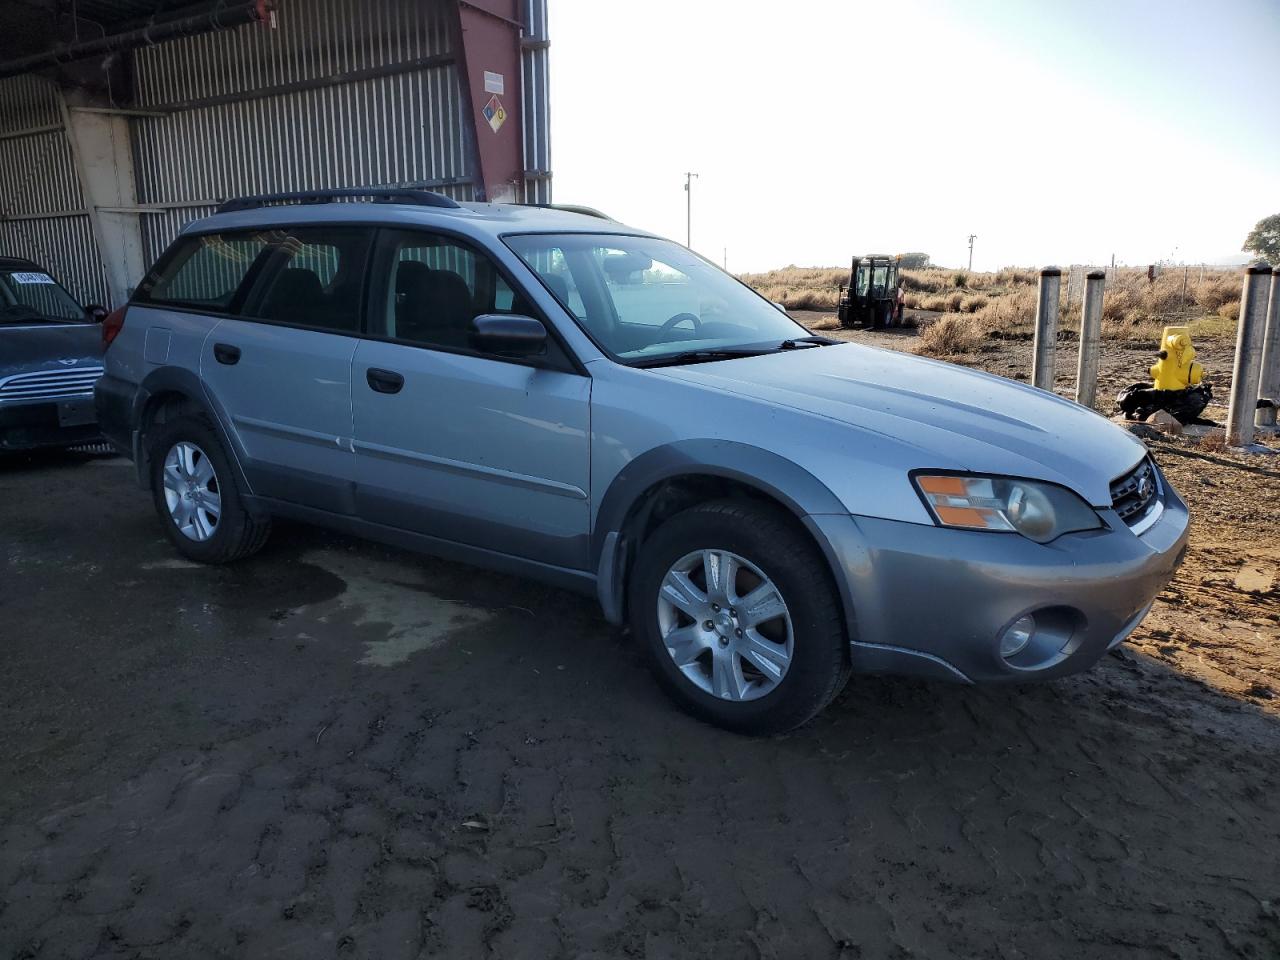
<point x="436" y="287"/>
<point x="314" y="277"/>
<point x="643" y="298"/>
<point x="27" y="295"/>
<point x="203" y="272"/>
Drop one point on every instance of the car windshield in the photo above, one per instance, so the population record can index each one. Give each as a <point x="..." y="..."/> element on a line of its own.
<point x="643" y="299"/>
<point x="32" y="295"/>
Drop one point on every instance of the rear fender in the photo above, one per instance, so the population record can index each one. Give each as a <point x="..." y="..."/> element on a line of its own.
<point x="177" y="380"/>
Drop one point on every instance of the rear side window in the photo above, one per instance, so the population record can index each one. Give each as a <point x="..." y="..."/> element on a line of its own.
<point x="203" y="272"/>
<point x="314" y="277"/>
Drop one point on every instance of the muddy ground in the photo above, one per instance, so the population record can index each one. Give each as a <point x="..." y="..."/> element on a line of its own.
<point x="340" y="750"/>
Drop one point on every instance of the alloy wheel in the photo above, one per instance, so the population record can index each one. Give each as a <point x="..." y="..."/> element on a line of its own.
<point x="725" y="625"/>
<point x="191" y="491"/>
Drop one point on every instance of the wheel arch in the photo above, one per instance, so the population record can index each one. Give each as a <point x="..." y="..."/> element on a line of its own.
<point x="168" y="392"/>
<point x="673" y="477"/>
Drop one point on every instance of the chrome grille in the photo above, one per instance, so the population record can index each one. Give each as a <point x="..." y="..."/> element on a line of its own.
<point x="1133" y="494"/>
<point x="50" y="384"/>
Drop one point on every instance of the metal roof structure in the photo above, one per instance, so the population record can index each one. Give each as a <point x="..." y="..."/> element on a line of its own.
<point x="122" y="120"/>
<point x="32" y="27"/>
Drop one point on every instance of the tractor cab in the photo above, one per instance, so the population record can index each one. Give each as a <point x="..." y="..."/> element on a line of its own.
<point x="870" y="299"/>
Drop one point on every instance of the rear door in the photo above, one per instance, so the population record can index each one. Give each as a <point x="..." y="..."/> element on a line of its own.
<point x="450" y="442"/>
<point x="281" y="368"/>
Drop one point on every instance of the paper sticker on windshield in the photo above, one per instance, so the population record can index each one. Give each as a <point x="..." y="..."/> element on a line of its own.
<point x="31" y="278"/>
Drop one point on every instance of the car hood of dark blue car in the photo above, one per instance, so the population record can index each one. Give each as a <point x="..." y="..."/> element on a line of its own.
<point x="31" y="348"/>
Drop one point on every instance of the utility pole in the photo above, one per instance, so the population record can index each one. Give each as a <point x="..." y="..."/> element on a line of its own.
<point x="688" y="209"/>
<point x="972" y="237"/>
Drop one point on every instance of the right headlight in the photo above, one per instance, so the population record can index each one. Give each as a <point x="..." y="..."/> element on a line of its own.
<point x="1039" y="511"/>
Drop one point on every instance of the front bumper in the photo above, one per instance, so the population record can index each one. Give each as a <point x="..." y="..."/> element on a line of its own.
<point x="24" y="426"/>
<point x="932" y="601"/>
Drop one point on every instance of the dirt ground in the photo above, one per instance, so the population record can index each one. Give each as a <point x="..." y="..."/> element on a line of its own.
<point x="340" y="750"/>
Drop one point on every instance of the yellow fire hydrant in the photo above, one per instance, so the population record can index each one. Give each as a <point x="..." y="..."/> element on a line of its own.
<point x="1176" y="368"/>
<point x="1176" y="386"/>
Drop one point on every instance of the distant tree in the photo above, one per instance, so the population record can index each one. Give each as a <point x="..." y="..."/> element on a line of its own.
<point x="915" y="261"/>
<point x="1264" y="239"/>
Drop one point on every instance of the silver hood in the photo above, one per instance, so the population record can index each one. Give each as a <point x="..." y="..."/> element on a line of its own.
<point x="955" y="417"/>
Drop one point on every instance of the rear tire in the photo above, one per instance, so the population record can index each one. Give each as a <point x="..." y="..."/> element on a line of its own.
<point x="720" y="659"/>
<point x="197" y="495"/>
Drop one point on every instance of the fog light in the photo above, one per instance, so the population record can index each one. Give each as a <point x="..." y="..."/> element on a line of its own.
<point x="1015" y="639"/>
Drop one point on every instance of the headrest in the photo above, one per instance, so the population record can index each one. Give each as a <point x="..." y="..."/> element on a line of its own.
<point x="557" y="285"/>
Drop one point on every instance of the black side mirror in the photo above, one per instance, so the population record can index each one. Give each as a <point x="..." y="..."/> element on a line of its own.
<point x="95" y="313"/>
<point x="508" y="335"/>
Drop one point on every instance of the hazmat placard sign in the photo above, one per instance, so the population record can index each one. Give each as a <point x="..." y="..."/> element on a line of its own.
<point x="495" y="113"/>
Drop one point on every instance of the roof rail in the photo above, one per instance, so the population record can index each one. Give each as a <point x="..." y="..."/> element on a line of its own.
<point x="421" y="198"/>
<point x="573" y="208"/>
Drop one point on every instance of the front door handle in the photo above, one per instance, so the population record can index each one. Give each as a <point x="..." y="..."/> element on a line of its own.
<point x="384" y="381"/>
<point x="226" y="353"/>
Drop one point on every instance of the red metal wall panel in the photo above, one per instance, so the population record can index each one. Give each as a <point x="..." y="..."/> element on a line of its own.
<point x="489" y="67"/>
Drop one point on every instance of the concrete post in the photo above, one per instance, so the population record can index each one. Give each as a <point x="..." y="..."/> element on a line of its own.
<point x="1046" y="342"/>
<point x="1244" y="374"/>
<point x="1269" y="378"/>
<point x="1090" y="333"/>
<point x="100" y="149"/>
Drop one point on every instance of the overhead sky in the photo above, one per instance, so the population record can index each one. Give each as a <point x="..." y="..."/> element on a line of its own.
<point x="1056" y="132"/>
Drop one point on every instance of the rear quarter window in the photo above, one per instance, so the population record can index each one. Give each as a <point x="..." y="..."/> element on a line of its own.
<point x="202" y="272"/>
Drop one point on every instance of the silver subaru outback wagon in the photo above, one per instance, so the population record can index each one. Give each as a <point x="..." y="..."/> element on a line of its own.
<point x="550" y="393"/>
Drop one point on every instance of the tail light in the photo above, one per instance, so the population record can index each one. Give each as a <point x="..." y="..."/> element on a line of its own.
<point x="112" y="325"/>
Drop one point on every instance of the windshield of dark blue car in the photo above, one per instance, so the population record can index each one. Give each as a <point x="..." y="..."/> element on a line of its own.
<point x="647" y="301"/>
<point x="32" y="296"/>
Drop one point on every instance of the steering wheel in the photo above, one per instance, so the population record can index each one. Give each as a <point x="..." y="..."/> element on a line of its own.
<point x="680" y="318"/>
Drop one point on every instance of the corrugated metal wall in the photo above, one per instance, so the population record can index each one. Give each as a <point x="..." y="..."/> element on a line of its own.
<point x="335" y="93"/>
<point x="42" y="210"/>
<point x="537" y="96"/>
<point x="256" y="111"/>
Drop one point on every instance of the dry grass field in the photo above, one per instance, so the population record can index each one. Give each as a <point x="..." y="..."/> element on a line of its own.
<point x="970" y="308"/>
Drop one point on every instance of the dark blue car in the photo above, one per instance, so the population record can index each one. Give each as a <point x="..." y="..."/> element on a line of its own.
<point x="50" y="358"/>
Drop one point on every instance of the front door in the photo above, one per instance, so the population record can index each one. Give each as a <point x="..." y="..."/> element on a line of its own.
<point x="456" y="444"/>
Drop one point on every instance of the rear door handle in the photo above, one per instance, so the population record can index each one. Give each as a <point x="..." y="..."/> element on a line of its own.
<point x="384" y="381"/>
<point x="226" y="353"/>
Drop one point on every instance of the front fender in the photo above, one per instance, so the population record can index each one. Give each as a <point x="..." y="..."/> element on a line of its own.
<point x="799" y="491"/>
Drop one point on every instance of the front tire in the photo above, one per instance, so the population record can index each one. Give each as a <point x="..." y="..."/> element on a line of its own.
<point x="197" y="497"/>
<point x="738" y="614"/>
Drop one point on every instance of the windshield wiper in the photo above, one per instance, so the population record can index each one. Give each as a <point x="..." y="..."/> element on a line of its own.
<point x="796" y="343"/>
<point x="731" y="353"/>
<point x="698" y="356"/>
